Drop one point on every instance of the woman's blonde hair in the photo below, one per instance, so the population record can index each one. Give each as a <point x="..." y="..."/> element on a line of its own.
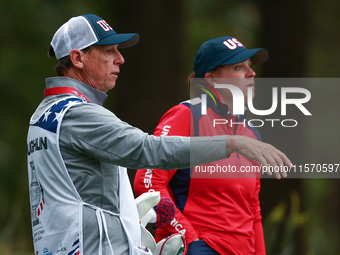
<point x="195" y="86"/>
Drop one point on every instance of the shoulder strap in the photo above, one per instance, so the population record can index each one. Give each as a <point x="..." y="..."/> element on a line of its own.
<point x="196" y="113"/>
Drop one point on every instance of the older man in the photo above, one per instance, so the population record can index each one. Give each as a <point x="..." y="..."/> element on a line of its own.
<point x="81" y="199"/>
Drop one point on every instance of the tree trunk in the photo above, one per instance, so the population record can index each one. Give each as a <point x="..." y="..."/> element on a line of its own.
<point x="151" y="80"/>
<point x="286" y="35"/>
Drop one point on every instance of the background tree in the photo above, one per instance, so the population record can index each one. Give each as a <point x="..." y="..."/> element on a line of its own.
<point x="286" y="33"/>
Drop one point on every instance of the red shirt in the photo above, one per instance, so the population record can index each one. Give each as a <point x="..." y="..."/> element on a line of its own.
<point x="223" y="211"/>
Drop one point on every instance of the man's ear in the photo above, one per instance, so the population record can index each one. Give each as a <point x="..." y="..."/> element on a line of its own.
<point x="77" y="58"/>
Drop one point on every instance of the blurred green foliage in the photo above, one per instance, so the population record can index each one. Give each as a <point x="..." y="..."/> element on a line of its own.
<point x="27" y="27"/>
<point x="281" y="224"/>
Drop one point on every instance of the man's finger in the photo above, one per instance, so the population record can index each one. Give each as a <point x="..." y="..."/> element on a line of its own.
<point x="263" y="162"/>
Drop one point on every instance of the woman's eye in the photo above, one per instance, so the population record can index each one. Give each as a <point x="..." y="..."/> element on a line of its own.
<point x="238" y="67"/>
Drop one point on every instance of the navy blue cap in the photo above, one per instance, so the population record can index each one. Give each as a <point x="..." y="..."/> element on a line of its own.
<point x="225" y="50"/>
<point x="107" y="36"/>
